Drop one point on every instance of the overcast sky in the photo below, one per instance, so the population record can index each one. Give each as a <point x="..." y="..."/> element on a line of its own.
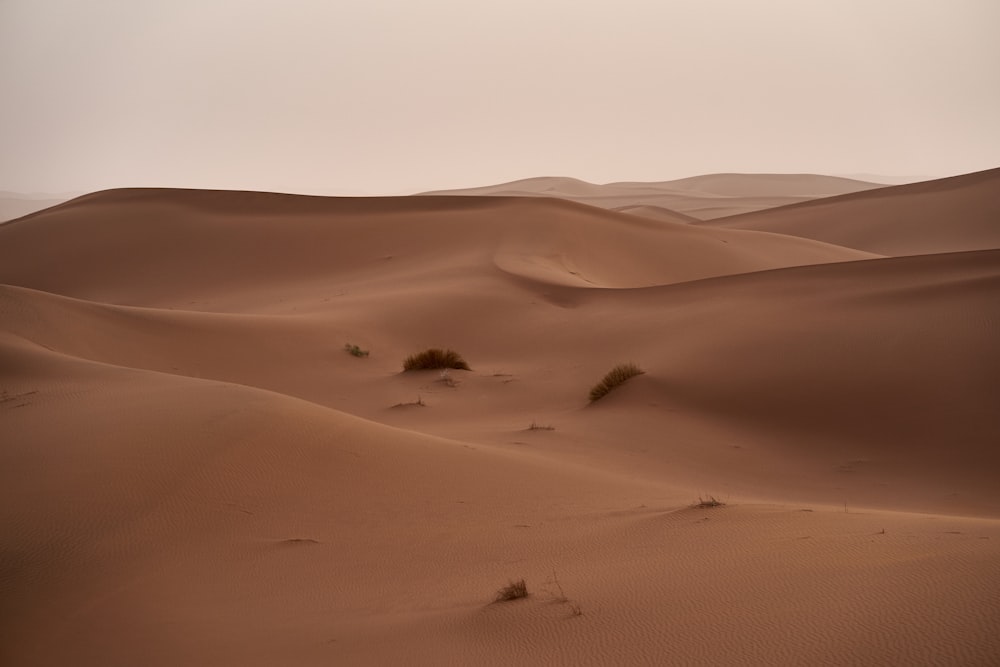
<point x="398" y="96"/>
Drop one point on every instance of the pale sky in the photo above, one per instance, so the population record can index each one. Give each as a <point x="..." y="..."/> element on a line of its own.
<point x="399" y="96"/>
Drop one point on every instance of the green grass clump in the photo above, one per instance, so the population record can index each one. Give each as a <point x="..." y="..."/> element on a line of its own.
<point x="355" y="350"/>
<point x="512" y="591"/>
<point x="616" y="376"/>
<point x="435" y="358"/>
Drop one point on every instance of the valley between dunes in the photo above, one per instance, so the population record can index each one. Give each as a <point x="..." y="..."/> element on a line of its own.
<point x="193" y="470"/>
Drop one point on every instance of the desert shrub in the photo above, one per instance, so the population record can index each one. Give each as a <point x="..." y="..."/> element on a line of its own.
<point x="616" y="376"/>
<point x="355" y="350"/>
<point x="709" y="502"/>
<point x="535" y="426"/>
<point x="512" y="591"/>
<point x="435" y="358"/>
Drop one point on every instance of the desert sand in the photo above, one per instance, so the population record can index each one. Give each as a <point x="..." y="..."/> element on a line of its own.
<point x="945" y="215"/>
<point x="194" y="471"/>
<point x="687" y="199"/>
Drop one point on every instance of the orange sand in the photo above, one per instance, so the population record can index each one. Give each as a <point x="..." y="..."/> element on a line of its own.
<point x="194" y="471"/>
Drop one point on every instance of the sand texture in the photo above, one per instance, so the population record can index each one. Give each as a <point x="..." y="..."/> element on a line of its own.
<point x="194" y="471"/>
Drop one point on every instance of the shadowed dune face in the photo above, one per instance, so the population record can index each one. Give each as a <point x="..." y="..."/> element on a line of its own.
<point x="897" y="354"/>
<point x="193" y="469"/>
<point x="946" y="215"/>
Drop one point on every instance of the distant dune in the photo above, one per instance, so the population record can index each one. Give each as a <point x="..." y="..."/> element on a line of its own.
<point x="14" y="205"/>
<point x="946" y="215"/>
<point x="194" y="471"/>
<point x="763" y="185"/>
<point x="655" y="213"/>
<point x="699" y="197"/>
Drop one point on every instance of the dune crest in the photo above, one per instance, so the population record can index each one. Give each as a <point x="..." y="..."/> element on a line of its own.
<point x="191" y="242"/>
<point x="944" y="215"/>
<point x="700" y="197"/>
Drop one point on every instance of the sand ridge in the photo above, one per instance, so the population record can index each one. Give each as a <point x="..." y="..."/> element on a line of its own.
<point x="186" y="241"/>
<point x="944" y="215"/>
<point x="701" y="197"/>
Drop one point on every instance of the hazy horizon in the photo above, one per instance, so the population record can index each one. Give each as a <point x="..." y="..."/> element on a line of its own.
<point x="393" y="98"/>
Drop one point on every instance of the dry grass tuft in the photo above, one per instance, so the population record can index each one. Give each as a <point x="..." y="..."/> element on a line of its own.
<point x="616" y="376"/>
<point x="707" y="503"/>
<point x="355" y="350"/>
<point x="419" y="402"/>
<point x="512" y="591"/>
<point x="435" y="358"/>
<point x="559" y="595"/>
<point x="541" y="427"/>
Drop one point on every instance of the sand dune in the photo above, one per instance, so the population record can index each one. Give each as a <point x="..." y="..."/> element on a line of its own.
<point x="769" y="185"/>
<point x="656" y="213"/>
<point x="15" y="205"/>
<point x="188" y="244"/>
<point x="945" y="215"/>
<point x="716" y="352"/>
<point x="701" y="197"/>
<point x="194" y="471"/>
<point x="252" y="528"/>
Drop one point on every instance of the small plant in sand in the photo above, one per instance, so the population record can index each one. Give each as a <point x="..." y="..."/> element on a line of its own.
<point x="419" y="403"/>
<point x="435" y="358"/>
<point x="615" y="377"/>
<point x="514" y="590"/>
<point x="355" y="350"/>
<point x="559" y="595"/>
<point x="708" y="503"/>
<point x="541" y="427"/>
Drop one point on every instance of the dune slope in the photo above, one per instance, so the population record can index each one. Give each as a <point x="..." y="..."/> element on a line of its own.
<point x="215" y="524"/>
<point x="945" y="215"/>
<point x="175" y="247"/>
<point x="194" y="471"/>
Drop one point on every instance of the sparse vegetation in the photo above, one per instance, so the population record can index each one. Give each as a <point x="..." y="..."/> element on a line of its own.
<point x="541" y="427"/>
<point x="355" y="350"/>
<point x="559" y="595"/>
<point x="419" y="402"/>
<point x="615" y="377"/>
<point x="435" y="358"/>
<point x="707" y="503"/>
<point x="512" y="591"/>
